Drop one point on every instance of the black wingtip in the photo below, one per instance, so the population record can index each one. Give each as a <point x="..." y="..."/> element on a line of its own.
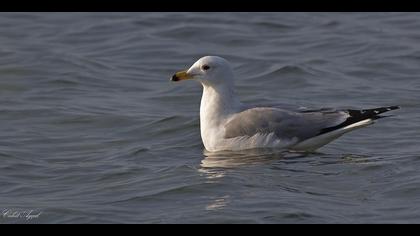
<point x="375" y="111"/>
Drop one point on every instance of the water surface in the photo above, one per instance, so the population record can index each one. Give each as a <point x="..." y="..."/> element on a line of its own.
<point x="92" y="131"/>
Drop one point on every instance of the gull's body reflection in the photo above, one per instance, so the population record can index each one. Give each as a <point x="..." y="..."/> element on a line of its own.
<point x="230" y="159"/>
<point x="221" y="170"/>
<point x="215" y="166"/>
<point x="218" y="203"/>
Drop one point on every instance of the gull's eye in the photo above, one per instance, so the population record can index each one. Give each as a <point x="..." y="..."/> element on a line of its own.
<point x="205" y="67"/>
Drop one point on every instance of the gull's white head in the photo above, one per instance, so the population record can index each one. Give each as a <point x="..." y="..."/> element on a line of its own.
<point x="209" y="70"/>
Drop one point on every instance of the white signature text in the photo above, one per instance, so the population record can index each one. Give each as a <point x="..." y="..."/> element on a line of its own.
<point x="20" y="214"/>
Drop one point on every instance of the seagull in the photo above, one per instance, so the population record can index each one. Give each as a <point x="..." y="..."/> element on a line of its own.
<point x="226" y="124"/>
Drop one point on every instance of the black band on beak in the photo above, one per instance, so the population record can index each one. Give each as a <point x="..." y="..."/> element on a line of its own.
<point x="174" y="78"/>
<point x="182" y="75"/>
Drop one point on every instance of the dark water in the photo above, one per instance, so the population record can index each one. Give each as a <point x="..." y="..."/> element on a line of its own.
<point x="92" y="131"/>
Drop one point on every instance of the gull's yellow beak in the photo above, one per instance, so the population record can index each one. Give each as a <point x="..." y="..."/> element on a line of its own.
<point x="182" y="75"/>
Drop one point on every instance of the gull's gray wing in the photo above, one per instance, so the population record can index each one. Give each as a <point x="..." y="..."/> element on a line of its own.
<point x="283" y="123"/>
<point x="288" y="124"/>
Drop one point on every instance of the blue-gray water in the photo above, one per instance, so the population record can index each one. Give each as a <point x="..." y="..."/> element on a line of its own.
<point x="92" y="131"/>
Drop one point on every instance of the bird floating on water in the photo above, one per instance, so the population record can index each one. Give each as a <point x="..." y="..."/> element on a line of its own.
<point x="227" y="124"/>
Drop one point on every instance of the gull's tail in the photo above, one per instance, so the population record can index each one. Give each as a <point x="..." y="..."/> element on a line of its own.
<point x="360" y="115"/>
<point x="357" y="119"/>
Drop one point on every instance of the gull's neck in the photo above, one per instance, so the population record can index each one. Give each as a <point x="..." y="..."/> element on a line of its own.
<point x="217" y="103"/>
